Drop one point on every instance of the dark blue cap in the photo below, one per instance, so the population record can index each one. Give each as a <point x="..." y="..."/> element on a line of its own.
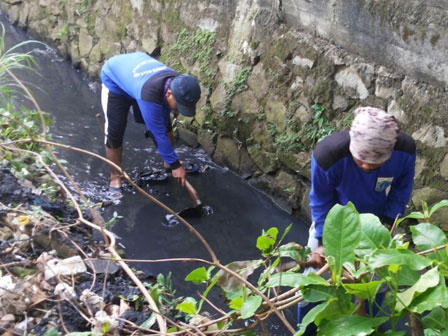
<point x="186" y="91"/>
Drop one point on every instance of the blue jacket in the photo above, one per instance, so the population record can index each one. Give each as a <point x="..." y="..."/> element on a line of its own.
<point x="335" y="178"/>
<point x="141" y="77"/>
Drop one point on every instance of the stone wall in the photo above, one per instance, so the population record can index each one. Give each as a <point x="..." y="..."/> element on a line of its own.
<point x="276" y="75"/>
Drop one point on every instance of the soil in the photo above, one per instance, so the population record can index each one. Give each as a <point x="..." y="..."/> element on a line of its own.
<point x="19" y="261"/>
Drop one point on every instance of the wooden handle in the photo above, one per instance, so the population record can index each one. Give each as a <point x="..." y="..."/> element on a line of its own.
<point x="193" y="193"/>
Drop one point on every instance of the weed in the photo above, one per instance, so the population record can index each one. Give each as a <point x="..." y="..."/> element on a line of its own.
<point x="64" y="32"/>
<point x="193" y="47"/>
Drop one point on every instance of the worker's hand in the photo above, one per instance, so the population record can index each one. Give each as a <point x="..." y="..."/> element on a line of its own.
<point x="317" y="258"/>
<point x="179" y="174"/>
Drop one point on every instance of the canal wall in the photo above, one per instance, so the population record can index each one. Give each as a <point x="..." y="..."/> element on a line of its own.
<point x="277" y="75"/>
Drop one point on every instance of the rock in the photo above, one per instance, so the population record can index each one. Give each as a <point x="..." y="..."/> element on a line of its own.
<point x="305" y="204"/>
<point x="95" y="55"/>
<point x="444" y="167"/>
<point x="85" y="43"/>
<point x="218" y="98"/>
<point x="257" y="81"/>
<point x="264" y="160"/>
<point x="245" y="102"/>
<point x="275" y="112"/>
<point x="420" y="164"/>
<point x="149" y="45"/>
<point x="303" y="62"/>
<point x="300" y="162"/>
<point x="7" y="321"/>
<point x="350" y="78"/>
<point x="228" y="70"/>
<point x="188" y="137"/>
<point x="228" y="153"/>
<point x="304" y="114"/>
<point x="261" y="136"/>
<point x="385" y="92"/>
<point x="340" y="103"/>
<point x="433" y="136"/>
<point x="205" y="139"/>
<point x="5" y="233"/>
<point x="395" y="109"/>
<point x="432" y="196"/>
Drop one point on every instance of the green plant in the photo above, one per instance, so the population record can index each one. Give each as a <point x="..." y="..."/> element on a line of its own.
<point x="110" y="223"/>
<point x="82" y="8"/>
<point x="64" y="32"/>
<point x="193" y="47"/>
<point x="319" y="127"/>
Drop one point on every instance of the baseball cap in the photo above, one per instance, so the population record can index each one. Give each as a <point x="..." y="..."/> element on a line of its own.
<point x="186" y="91"/>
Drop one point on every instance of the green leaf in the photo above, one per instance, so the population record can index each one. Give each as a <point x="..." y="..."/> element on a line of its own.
<point x="350" y="325"/>
<point x="316" y="293"/>
<point x="312" y="315"/>
<point x="427" y="280"/>
<point x="291" y="279"/>
<point x="171" y="330"/>
<point x="364" y="290"/>
<point x="292" y="250"/>
<point x="412" y="215"/>
<point x="436" y="319"/>
<point x="188" y="306"/>
<point x="342" y="232"/>
<point x="84" y="333"/>
<point x="427" y="236"/>
<point x="250" y="306"/>
<point x="373" y="235"/>
<point x="52" y="332"/>
<point x="437" y="206"/>
<point x="267" y="239"/>
<point x="149" y="322"/>
<point x="236" y="303"/>
<point x="433" y="298"/>
<point x="197" y="276"/>
<point x="388" y="257"/>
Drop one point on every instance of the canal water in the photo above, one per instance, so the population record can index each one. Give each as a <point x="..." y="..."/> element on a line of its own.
<point x="240" y="212"/>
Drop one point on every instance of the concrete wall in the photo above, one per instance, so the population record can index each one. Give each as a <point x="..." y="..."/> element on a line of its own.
<point x="276" y="75"/>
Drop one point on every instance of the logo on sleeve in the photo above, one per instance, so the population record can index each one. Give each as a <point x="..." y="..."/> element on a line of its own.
<point x="383" y="184"/>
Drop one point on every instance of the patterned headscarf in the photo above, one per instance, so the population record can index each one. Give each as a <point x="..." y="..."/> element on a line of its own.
<point x="373" y="135"/>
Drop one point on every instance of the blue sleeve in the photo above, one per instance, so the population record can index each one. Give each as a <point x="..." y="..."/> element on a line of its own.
<point x="400" y="190"/>
<point x="156" y="121"/>
<point x="322" y="196"/>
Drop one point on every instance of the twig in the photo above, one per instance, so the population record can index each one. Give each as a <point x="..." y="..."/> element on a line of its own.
<point x="219" y="310"/>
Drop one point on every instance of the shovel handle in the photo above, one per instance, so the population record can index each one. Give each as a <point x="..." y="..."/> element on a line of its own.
<point x="193" y="193"/>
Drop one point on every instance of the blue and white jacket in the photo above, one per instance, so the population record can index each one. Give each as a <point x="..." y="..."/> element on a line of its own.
<point x="139" y="76"/>
<point x="335" y="178"/>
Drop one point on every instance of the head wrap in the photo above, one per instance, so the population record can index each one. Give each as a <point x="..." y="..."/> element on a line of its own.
<point x="373" y="135"/>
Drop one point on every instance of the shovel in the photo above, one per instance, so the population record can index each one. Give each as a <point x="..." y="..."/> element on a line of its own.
<point x="197" y="210"/>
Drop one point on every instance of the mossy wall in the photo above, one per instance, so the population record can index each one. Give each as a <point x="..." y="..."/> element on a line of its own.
<point x="276" y="75"/>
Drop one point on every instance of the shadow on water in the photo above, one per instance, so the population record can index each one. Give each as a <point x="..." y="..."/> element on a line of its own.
<point x="240" y="212"/>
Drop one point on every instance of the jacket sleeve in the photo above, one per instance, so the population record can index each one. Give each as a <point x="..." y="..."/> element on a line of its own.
<point x="155" y="119"/>
<point x="322" y="196"/>
<point x="400" y="190"/>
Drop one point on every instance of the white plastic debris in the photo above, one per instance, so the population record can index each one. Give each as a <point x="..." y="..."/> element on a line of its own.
<point x="103" y="319"/>
<point x="64" y="291"/>
<point x="92" y="299"/>
<point x="6" y="284"/>
<point x="70" y="266"/>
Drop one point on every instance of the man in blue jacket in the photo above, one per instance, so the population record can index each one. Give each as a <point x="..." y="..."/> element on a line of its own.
<point x="372" y="165"/>
<point x="153" y="90"/>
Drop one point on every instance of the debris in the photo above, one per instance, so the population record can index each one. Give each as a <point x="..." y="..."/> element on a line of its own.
<point x="64" y="291"/>
<point x="69" y="266"/>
